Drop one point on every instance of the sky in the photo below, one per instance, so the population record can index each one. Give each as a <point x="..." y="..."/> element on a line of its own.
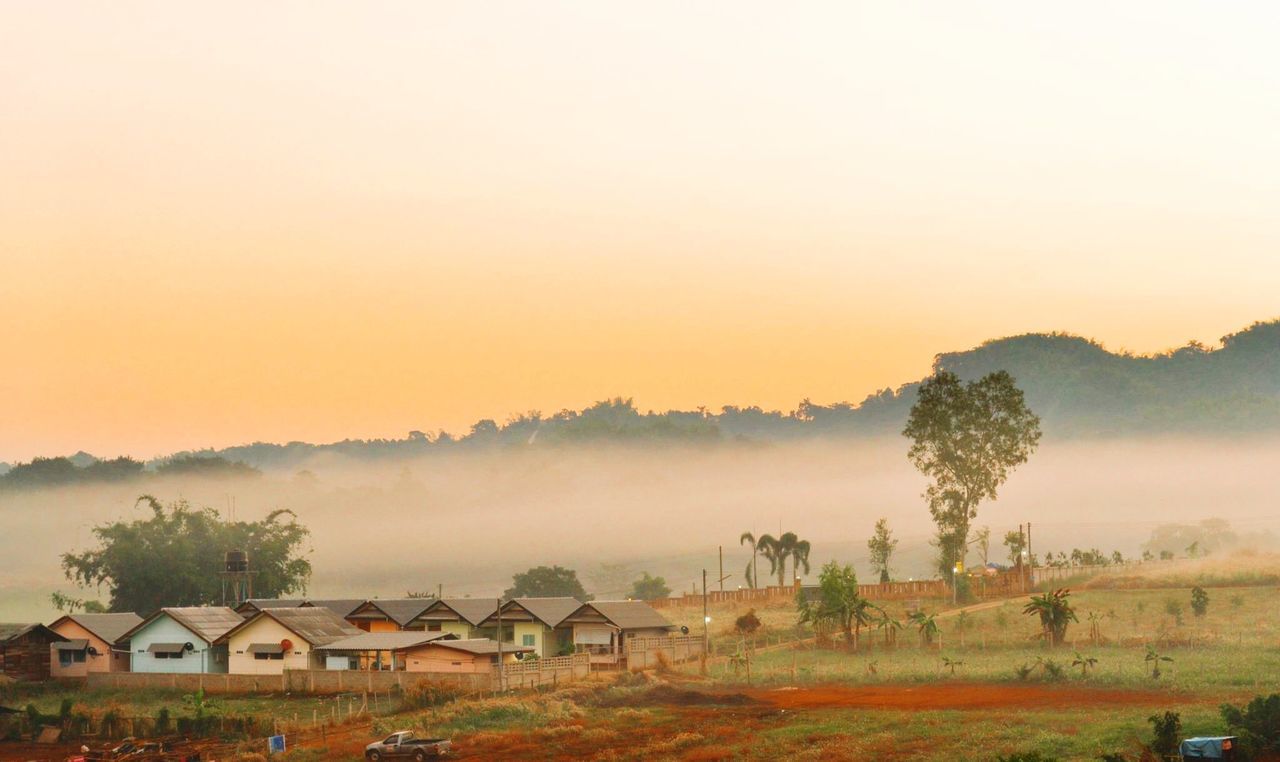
<point x="313" y="220"/>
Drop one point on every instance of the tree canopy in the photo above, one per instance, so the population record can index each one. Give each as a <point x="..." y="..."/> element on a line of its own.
<point x="649" y="588"/>
<point x="967" y="437"/>
<point x="174" y="556"/>
<point x="546" y="582"/>
<point x="881" y="545"/>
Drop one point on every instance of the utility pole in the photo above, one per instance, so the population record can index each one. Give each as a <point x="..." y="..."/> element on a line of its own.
<point x="500" y="664"/>
<point x="439" y="591"/>
<point x="722" y="568"/>
<point x="706" y="619"/>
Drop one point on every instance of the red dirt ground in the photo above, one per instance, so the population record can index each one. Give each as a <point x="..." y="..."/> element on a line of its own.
<point x="953" y="696"/>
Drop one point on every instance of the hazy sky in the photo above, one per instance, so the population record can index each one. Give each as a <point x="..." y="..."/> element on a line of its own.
<point x="237" y="221"/>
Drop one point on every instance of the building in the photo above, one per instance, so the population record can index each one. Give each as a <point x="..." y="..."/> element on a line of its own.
<point x="378" y="651"/>
<point x="603" y="628"/>
<point x="276" y="639"/>
<point x="340" y="606"/>
<point x="25" y="650"/>
<point x="389" y="614"/>
<point x="463" y="617"/>
<point x="471" y="655"/>
<point x="181" y="639"/>
<point x="90" y="644"/>
<point x="536" y="623"/>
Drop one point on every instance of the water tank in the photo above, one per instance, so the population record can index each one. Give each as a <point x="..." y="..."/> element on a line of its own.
<point x="237" y="561"/>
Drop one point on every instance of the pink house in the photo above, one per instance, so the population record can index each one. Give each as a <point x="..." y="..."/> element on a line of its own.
<point x="90" y="644"/>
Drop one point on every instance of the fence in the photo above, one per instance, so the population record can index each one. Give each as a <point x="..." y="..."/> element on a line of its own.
<point x="928" y="588"/>
<point x="535" y="672"/>
<point x="1043" y="574"/>
<point x="643" y="652"/>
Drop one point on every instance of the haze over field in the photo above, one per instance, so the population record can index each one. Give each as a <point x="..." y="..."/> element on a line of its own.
<point x="470" y="520"/>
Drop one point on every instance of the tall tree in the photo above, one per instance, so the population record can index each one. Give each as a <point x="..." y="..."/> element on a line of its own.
<point x="775" y="552"/>
<point x="753" y="567"/>
<point x="173" y="558"/>
<point x="967" y="437"/>
<point x="649" y="588"/>
<point x="799" y="557"/>
<point x="1016" y="542"/>
<point x="982" y="538"/>
<point x="881" y="546"/>
<point x="547" y="582"/>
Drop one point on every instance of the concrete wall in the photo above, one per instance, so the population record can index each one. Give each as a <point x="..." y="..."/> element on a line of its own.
<point x="104" y="661"/>
<point x="643" y="652"/>
<point x="266" y="630"/>
<point x="205" y="658"/>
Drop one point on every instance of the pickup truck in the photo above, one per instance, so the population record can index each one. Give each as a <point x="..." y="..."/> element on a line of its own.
<point x="403" y="744"/>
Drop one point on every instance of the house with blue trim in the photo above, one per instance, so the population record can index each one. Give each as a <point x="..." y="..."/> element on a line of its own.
<point x="181" y="639"/>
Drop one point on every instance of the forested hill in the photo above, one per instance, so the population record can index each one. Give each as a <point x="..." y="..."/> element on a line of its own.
<point x="1077" y="387"/>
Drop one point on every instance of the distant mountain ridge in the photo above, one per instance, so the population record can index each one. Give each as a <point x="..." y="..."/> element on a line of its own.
<point x="1079" y="389"/>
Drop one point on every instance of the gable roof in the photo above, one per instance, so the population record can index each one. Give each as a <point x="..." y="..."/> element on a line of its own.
<point x="473" y="611"/>
<point x="205" y="622"/>
<point x="399" y="610"/>
<point x="339" y="606"/>
<point x="549" y="611"/>
<point x="317" y="626"/>
<point x="108" y="627"/>
<point x="386" y="641"/>
<point x="482" y="646"/>
<point x="631" y="615"/>
<point x="14" y="631"/>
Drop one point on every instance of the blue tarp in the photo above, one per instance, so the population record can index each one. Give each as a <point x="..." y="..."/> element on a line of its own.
<point x="1207" y="748"/>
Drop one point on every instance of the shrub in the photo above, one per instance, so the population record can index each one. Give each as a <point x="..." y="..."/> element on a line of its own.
<point x="1199" y="601"/>
<point x="1167" y="727"/>
<point x="1174" y="609"/>
<point x="1257" y="725"/>
<point x="1027" y="756"/>
<point x="747" y="624"/>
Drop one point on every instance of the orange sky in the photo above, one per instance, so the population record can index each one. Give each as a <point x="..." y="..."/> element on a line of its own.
<point x="317" y="220"/>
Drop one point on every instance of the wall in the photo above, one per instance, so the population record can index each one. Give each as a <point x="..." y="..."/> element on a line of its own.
<point x="26" y="657"/>
<point x="552" y="671"/>
<point x="643" y="652"/>
<point x="104" y="661"/>
<point x="164" y="629"/>
<point x="544" y="641"/>
<point x="461" y="629"/>
<point x="347" y="681"/>
<point x="266" y="630"/>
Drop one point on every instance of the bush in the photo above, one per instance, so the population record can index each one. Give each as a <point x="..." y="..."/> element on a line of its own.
<point x="1167" y="727"/>
<point x="1027" y="756"/>
<point x="1174" y="609"/>
<point x="1199" y="601"/>
<point x="1257" y="725"/>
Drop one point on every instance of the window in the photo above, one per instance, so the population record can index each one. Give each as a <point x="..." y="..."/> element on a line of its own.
<point x="260" y="656"/>
<point x="433" y="627"/>
<point x="527" y="640"/>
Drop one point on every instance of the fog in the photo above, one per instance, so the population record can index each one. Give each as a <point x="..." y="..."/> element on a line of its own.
<point x="468" y="521"/>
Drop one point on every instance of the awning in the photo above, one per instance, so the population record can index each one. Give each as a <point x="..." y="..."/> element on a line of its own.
<point x="166" y="648"/>
<point x="80" y="644"/>
<point x="594" y="636"/>
<point x="264" y="648"/>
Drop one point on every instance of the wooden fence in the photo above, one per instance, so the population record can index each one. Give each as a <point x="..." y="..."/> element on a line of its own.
<point x="890" y="591"/>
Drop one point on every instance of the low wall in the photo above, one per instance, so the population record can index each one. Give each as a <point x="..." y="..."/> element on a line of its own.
<point x="642" y="653"/>
<point x="560" y="669"/>
<point x="189" y="683"/>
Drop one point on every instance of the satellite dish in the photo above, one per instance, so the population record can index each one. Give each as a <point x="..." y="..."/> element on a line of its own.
<point x="188" y="646"/>
<point x="92" y="651"/>
<point x="684" y="630"/>
<point x="286" y="645"/>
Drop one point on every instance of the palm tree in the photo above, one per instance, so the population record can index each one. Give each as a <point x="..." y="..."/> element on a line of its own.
<point x="799" y="557"/>
<point x="753" y="569"/>
<point x="775" y="553"/>
<point x="1055" y="612"/>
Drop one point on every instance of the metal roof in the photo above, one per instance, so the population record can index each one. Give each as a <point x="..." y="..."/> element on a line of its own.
<point x="12" y="631"/>
<point x="482" y="646"/>
<point x="317" y="626"/>
<point x="399" y="610"/>
<point x="340" y="606"/>
<point x="109" y="627"/>
<point x="386" y="641"/>
<point x="473" y="611"/>
<point x="631" y="615"/>
<point x="549" y="611"/>
<point x="207" y="622"/>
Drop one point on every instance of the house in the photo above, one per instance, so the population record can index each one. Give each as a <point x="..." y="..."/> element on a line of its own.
<point x="275" y="639"/>
<point x="181" y="639"/>
<point x="388" y="614"/>
<point x="339" y="606"/>
<point x="461" y="616"/>
<point x="469" y="655"/>
<point x="90" y="644"/>
<point x="602" y="628"/>
<point x="377" y="650"/>
<point x="25" y="650"/>
<point x="536" y="623"/>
